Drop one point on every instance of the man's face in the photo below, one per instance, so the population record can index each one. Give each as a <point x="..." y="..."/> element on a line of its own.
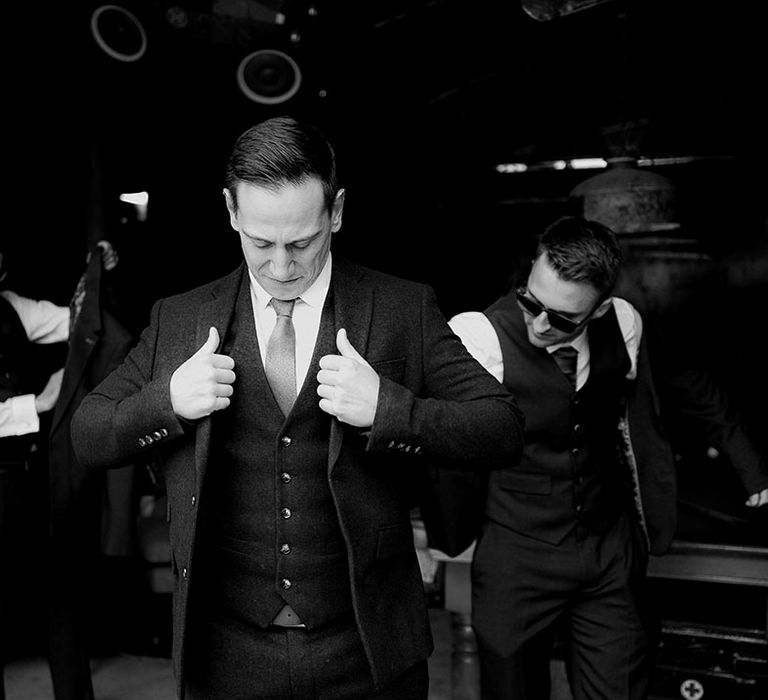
<point x="572" y="300"/>
<point x="285" y="234"/>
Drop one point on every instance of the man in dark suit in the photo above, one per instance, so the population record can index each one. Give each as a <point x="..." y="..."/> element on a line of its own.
<point x="568" y="528"/>
<point x="292" y="403"/>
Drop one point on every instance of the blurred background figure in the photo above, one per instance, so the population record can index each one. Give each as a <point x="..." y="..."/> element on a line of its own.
<point x="54" y="516"/>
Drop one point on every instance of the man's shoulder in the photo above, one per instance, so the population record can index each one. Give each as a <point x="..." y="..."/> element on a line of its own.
<point x="203" y="292"/>
<point x="361" y="274"/>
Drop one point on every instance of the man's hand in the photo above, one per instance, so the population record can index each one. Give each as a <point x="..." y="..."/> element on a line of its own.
<point x="758" y="499"/>
<point x="47" y="398"/>
<point x="203" y="384"/>
<point x="348" y="386"/>
<point x="109" y="257"/>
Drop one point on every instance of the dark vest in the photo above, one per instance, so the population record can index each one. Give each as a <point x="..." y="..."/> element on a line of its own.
<point x="570" y="473"/>
<point x="270" y="533"/>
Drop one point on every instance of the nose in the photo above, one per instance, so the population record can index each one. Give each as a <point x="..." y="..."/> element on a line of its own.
<point x="541" y="323"/>
<point x="281" y="262"/>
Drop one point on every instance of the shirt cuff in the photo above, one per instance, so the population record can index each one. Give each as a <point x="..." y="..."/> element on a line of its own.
<point x="23" y="417"/>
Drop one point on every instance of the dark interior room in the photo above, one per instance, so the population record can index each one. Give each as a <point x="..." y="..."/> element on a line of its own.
<point x="462" y="130"/>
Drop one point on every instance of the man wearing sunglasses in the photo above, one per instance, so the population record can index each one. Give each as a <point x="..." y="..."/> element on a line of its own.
<point x="567" y="529"/>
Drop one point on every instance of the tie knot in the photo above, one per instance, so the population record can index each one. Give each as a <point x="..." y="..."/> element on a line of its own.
<point x="283" y="307"/>
<point x="567" y="352"/>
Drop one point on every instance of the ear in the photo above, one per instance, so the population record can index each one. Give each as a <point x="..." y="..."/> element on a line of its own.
<point x="337" y="211"/>
<point x="231" y="209"/>
<point x="603" y="308"/>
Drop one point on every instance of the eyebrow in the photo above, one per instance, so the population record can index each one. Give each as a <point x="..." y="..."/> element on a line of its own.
<point x="305" y="239"/>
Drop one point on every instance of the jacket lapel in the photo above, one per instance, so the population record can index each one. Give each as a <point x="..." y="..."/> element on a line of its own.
<point x="217" y="312"/>
<point x="353" y="309"/>
<point x="85" y="337"/>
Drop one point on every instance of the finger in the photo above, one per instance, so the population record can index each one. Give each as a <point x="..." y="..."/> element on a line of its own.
<point x="332" y="362"/>
<point x="222" y="361"/>
<point x="327" y="376"/>
<point x="325" y="391"/>
<point x="221" y="403"/>
<point x="327" y="406"/>
<point x="345" y="347"/>
<point x="225" y="376"/>
<point x="223" y="390"/>
<point x="753" y="500"/>
<point x="210" y="345"/>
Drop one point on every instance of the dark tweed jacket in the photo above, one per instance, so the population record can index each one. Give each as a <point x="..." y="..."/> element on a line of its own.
<point x="435" y="402"/>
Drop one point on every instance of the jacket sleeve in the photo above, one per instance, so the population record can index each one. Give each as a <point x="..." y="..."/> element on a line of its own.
<point x="129" y="410"/>
<point x="455" y="413"/>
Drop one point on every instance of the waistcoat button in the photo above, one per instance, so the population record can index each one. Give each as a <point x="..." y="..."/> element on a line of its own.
<point x="285" y="584"/>
<point x="285" y="512"/>
<point x="285" y="441"/>
<point x="285" y="477"/>
<point x="285" y="549"/>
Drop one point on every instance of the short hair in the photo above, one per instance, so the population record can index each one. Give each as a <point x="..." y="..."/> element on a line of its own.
<point x="282" y="151"/>
<point x="581" y="250"/>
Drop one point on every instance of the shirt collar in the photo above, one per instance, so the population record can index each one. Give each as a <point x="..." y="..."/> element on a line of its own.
<point x="579" y="343"/>
<point x="314" y="296"/>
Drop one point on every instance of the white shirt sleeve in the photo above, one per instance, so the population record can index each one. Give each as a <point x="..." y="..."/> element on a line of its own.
<point x="631" y="325"/>
<point x="44" y="322"/>
<point x="18" y="416"/>
<point x="479" y="337"/>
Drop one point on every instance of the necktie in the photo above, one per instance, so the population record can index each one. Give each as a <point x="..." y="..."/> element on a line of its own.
<point x="280" y="363"/>
<point x="566" y="360"/>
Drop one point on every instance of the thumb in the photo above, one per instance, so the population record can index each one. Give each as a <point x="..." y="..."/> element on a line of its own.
<point x="345" y="347"/>
<point x="211" y="343"/>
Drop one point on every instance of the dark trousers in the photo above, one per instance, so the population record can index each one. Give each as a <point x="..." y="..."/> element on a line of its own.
<point x="230" y="661"/>
<point x="28" y="577"/>
<point x="589" y="589"/>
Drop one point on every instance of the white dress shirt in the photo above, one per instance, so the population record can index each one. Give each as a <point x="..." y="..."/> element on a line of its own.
<point x="306" y="319"/>
<point x="44" y="322"/>
<point x="479" y="337"/>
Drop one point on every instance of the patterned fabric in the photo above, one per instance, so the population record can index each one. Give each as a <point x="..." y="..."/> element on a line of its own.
<point x="76" y="303"/>
<point x="280" y="363"/>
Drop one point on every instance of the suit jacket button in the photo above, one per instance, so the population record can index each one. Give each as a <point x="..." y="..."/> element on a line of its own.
<point x="184" y="572"/>
<point x="163" y="432"/>
<point x="285" y="584"/>
<point x="285" y="549"/>
<point x="157" y="435"/>
<point x="285" y="512"/>
<point x="194" y="499"/>
<point x="142" y="442"/>
<point x="285" y="441"/>
<point x="285" y="477"/>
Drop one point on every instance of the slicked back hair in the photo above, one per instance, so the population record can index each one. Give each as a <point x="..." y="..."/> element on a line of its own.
<point x="581" y="250"/>
<point x="282" y="151"/>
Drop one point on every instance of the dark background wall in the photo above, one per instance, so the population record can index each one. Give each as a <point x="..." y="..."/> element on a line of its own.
<point x="424" y="99"/>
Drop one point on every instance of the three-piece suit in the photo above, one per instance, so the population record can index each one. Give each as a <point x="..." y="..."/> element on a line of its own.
<point x="267" y="509"/>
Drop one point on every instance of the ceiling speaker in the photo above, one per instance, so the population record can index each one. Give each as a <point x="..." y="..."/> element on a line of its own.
<point x="268" y="77"/>
<point x="118" y="33"/>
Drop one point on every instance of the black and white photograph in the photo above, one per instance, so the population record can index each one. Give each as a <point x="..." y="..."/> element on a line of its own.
<point x="384" y="350"/>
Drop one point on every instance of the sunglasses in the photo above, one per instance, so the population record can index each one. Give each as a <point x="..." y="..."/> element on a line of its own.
<point x="556" y="320"/>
